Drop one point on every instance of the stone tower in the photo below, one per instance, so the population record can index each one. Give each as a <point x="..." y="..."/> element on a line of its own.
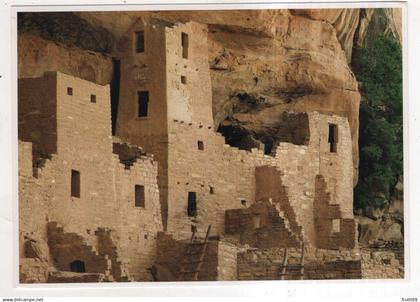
<point x="164" y="77"/>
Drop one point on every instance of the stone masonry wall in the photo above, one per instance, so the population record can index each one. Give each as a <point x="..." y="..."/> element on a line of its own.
<point x="254" y="264"/>
<point x="231" y="174"/>
<point x="269" y="187"/>
<point x="138" y="226"/>
<point x="190" y="101"/>
<point x="171" y="255"/>
<point x="84" y="143"/>
<point x="145" y="71"/>
<point x="301" y="164"/>
<point x="332" y="231"/>
<point x="261" y="225"/>
<point x="222" y="177"/>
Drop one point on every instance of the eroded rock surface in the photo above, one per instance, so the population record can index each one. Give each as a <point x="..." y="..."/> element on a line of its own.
<point x="37" y="55"/>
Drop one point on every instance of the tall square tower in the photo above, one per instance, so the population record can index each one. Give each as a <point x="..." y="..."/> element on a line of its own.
<point x="164" y="78"/>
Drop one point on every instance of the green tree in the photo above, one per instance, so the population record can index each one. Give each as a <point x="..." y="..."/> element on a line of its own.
<point x="378" y="68"/>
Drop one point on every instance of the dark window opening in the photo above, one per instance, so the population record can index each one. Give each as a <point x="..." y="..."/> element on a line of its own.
<point x="93" y="98"/>
<point x="69" y="91"/>
<point x="192" y="204"/>
<point x="139" y="198"/>
<point x="333" y="137"/>
<point x="75" y="183"/>
<point x="115" y="92"/>
<point x="268" y="147"/>
<point x="183" y="79"/>
<point x="200" y="145"/>
<point x="77" y="266"/>
<point x="244" y="202"/>
<point x="184" y="38"/>
<point x="211" y="190"/>
<point x="143" y="103"/>
<point x="140" y="41"/>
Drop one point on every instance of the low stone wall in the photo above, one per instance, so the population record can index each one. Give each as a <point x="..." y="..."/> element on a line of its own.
<point x="33" y="270"/>
<point x="332" y="231"/>
<point x="261" y="225"/>
<point x="256" y="264"/>
<point x="381" y="265"/>
<point x="171" y="254"/>
<point x="227" y="266"/>
<point x="339" y="269"/>
<point x="70" y="277"/>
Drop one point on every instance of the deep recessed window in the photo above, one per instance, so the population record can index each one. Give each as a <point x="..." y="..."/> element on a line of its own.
<point x="77" y="266"/>
<point x="192" y="204"/>
<point x="185" y="42"/>
<point x="93" y="98"/>
<point x="143" y="103"/>
<point x="139" y="197"/>
<point x="333" y="137"/>
<point x="244" y="202"/>
<point x="211" y="190"/>
<point x="200" y="145"/>
<point x="183" y="79"/>
<point x="140" y="41"/>
<point x="75" y="183"/>
<point x="69" y="91"/>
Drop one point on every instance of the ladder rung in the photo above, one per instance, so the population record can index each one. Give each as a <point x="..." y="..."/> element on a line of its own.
<point x="197" y="243"/>
<point x="188" y="272"/>
<point x="192" y="261"/>
<point x="289" y="274"/>
<point x="190" y="253"/>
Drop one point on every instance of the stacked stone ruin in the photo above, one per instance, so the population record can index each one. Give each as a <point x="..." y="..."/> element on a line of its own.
<point x="102" y="208"/>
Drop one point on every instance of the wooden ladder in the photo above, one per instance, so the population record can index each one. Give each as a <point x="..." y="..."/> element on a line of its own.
<point x="293" y="270"/>
<point x="188" y="258"/>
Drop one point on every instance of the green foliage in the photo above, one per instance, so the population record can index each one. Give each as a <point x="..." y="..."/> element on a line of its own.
<point x="378" y="67"/>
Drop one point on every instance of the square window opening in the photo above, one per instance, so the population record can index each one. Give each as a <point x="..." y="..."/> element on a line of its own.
<point x="140" y="41"/>
<point x="69" y="91"/>
<point x="93" y="98"/>
<point x="333" y="137"/>
<point x="211" y="189"/>
<point x="143" y="103"/>
<point x="192" y="204"/>
<point x="139" y="196"/>
<point x="75" y="183"/>
<point x="183" y="79"/>
<point x="200" y="145"/>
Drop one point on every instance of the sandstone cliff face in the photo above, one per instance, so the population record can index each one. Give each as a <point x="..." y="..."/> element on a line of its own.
<point x="263" y="63"/>
<point x="36" y="55"/>
<point x="356" y="27"/>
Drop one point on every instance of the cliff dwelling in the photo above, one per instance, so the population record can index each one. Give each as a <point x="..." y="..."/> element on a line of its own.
<point x="139" y="182"/>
